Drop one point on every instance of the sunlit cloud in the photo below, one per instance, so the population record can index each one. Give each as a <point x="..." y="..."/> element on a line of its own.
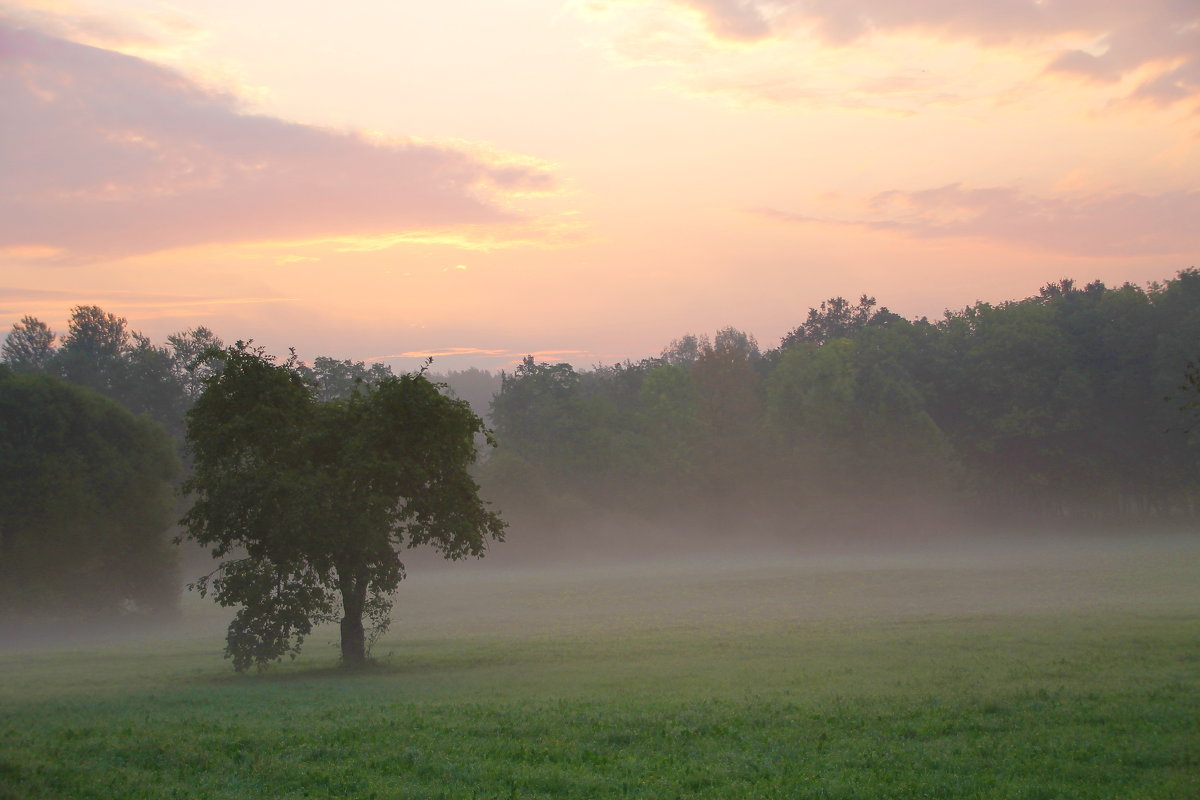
<point x="1097" y="225"/>
<point x="497" y="236"/>
<point x="117" y="156"/>
<point x="151" y="33"/>
<point x="779" y="50"/>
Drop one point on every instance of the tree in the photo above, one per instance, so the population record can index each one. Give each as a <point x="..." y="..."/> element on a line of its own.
<point x="730" y="409"/>
<point x="837" y="319"/>
<point x="29" y="346"/>
<point x="86" y="499"/>
<point x="187" y="348"/>
<point x="318" y="498"/>
<point x="92" y="351"/>
<point x="1189" y="397"/>
<point x="537" y="413"/>
<point x="336" y="379"/>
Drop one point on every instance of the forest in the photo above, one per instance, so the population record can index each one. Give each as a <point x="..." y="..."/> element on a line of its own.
<point x="1063" y="408"/>
<point x="1070" y="407"/>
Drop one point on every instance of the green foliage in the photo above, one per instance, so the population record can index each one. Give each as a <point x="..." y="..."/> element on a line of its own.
<point x="99" y="352"/>
<point x="339" y="379"/>
<point x="92" y="349"/>
<point x="1187" y="398"/>
<point x="188" y="363"/>
<point x="317" y="498"/>
<point x="538" y="408"/>
<point x="847" y="420"/>
<point x="1047" y="408"/>
<point x="86" y="500"/>
<point x="837" y="319"/>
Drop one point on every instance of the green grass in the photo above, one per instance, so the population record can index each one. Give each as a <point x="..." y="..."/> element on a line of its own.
<point x="1052" y="674"/>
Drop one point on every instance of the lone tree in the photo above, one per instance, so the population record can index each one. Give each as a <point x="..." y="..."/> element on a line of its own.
<point x="319" y="498"/>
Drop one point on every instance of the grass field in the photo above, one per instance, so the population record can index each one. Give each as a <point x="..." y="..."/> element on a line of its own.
<point x="1048" y="672"/>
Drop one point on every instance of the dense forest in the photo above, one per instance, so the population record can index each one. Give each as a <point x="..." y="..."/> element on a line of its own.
<point x="1059" y="409"/>
<point x="1074" y="406"/>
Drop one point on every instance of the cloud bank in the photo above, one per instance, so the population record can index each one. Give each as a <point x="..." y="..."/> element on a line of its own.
<point x="107" y="155"/>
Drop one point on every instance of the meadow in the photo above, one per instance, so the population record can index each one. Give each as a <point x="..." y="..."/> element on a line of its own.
<point x="1051" y="670"/>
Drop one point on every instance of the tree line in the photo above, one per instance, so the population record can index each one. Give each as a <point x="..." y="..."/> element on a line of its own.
<point x="1047" y="409"/>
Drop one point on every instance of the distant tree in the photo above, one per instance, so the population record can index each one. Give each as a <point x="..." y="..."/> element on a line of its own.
<point x="1189" y="397"/>
<point x="338" y="379"/>
<point x="477" y="386"/>
<point x="537" y="411"/>
<point x="101" y="353"/>
<point x="148" y="383"/>
<point x="668" y="405"/>
<point x="836" y="319"/>
<point x="686" y="349"/>
<point x="190" y="369"/>
<point x="92" y="351"/>
<point x="321" y="496"/>
<point x="86" y="499"/>
<point x="29" y="346"/>
<point x="730" y="408"/>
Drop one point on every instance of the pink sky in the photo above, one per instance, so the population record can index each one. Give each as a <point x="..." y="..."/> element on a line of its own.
<point x="584" y="180"/>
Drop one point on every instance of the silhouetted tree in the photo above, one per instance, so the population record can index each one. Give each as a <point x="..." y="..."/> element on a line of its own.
<point x="835" y="319"/>
<point x="321" y="496"/>
<point x="190" y="369"/>
<point x="29" y="346"/>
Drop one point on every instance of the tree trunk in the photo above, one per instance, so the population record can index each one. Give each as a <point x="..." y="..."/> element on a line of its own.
<point x="354" y="640"/>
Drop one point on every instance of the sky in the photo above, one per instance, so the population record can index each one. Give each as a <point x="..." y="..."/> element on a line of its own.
<point x="585" y="180"/>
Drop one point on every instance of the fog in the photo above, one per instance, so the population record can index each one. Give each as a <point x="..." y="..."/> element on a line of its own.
<point x="606" y="590"/>
<point x="1020" y="574"/>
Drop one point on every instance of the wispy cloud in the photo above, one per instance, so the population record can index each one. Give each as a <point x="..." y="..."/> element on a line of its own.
<point x="761" y="47"/>
<point x="116" y="156"/>
<point x="552" y="353"/>
<point x="15" y="302"/>
<point x="443" y="351"/>
<point x="1097" y="225"/>
<point x="150" y="31"/>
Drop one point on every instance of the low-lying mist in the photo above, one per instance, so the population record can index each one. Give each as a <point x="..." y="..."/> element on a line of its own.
<point x="640" y="580"/>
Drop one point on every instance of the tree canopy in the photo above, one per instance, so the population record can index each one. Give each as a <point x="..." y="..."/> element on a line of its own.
<point x="86" y="500"/>
<point x="311" y="500"/>
<point x="1047" y="408"/>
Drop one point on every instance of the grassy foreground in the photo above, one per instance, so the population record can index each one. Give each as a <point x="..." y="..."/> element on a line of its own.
<point x="1048" y="674"/>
